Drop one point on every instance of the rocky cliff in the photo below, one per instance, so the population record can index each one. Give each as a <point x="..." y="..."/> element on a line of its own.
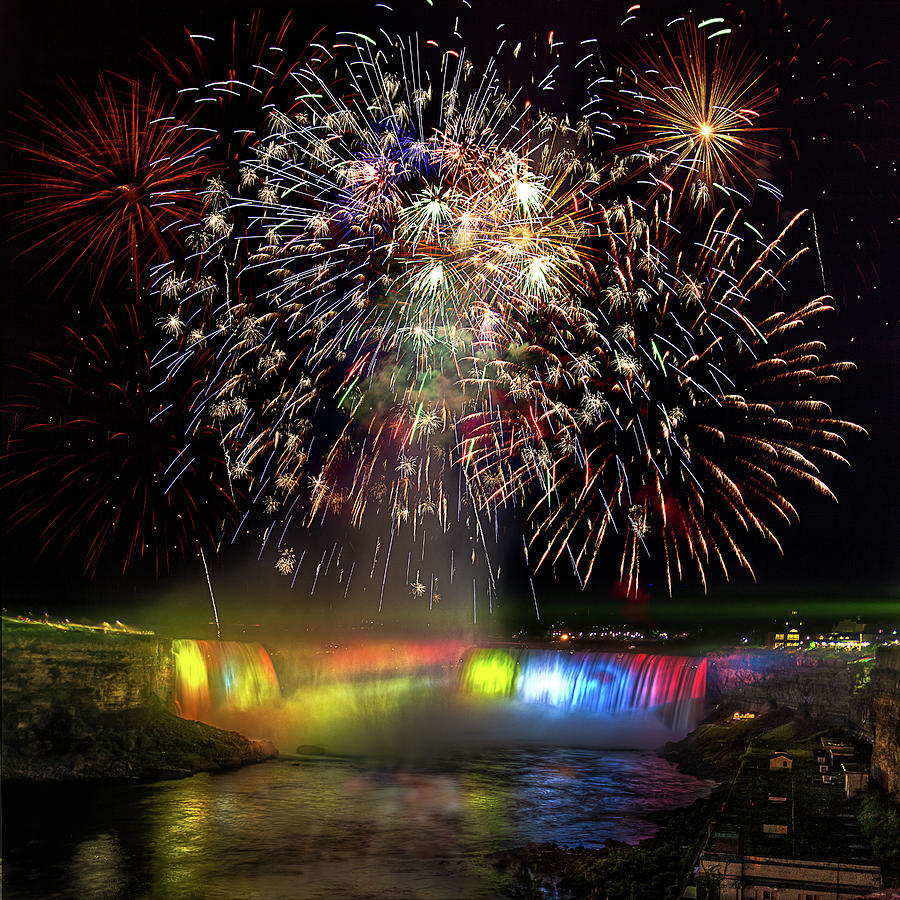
<point x="879" y="718"/>
<point x="88" y="703"/>
<point x="839" y="689"/>
<point x="53" y="666"/>
<point x="816" y="685"/>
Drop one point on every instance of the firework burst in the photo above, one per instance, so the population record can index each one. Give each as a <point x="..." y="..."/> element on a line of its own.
<point x="693" y="116"/>
<point x="99" y="465"/>
<point x="109" y="180"/>
<point x="677" y="416"/>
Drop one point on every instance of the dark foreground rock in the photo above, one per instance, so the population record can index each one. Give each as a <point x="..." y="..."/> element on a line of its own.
<point x="147" y="742"/>
<point x="655" y="869"/>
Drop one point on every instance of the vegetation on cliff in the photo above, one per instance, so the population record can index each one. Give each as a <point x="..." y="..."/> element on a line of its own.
<point x="880" y="822"/>
<point x="715" y="748"/>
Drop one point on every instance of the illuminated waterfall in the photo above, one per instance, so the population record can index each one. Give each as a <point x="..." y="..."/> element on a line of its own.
<point x="213" y="677"/>
<point x="671" y="687"/>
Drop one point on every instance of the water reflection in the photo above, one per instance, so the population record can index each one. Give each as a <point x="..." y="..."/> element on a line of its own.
<point x="328" y="827"/>
<point x="96" y="868"/>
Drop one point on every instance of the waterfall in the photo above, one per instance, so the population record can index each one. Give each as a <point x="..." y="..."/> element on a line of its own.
<point x="673" y="688"/>
<point x="221" y="676"/>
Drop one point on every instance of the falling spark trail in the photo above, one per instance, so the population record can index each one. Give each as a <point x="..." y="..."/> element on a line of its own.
<point x="537" y="612"/>
<point x="386" y="564"/>
<point x="330" y="558"/>
<point x="212" y="596"/>
<point x="819" y="252"/>
<point x="297" y="570"/>
<point x="264" y="542"/>
<point x="375" y="556"/>
<point x="312" y="590"/>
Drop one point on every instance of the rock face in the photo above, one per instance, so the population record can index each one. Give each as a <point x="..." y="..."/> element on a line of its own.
<point x="822" y="687"/>
<point x="818" y="686"/>
<point x="81" y="703"/>
<point x="880" y="718"/>
<point x="45" y="666"/>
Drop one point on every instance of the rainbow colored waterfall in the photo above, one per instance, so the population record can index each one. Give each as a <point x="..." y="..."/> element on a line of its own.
<point x="221" y="676"/>
<point x="672" y="687"/>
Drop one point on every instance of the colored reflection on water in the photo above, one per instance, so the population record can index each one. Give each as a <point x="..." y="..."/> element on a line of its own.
<point x="328" y="827"/>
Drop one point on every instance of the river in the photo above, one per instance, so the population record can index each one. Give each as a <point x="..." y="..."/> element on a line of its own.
<point x="329" y="827"/>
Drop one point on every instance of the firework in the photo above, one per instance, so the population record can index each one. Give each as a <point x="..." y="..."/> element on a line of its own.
<point x="404" y="240"/>
<point x="678" y="415"/>
<point x="109" y="180"/>
<point x="413" y="302"/>
<point x="456" y="301"/>
<point x="693" y="116"/>
<point x="99" y="465"/>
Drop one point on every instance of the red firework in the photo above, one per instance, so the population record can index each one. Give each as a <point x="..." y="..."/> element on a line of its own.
<point x="99" y="464"/>
<point x="108" y="180"/>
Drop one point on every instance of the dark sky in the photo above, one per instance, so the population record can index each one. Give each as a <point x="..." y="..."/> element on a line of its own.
<point x="843" y="121"/>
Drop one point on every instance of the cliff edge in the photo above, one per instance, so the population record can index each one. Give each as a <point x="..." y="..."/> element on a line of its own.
<point x="92" y="703"/>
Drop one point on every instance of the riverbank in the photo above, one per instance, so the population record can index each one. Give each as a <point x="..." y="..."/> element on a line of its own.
<point x="654" y="869"/>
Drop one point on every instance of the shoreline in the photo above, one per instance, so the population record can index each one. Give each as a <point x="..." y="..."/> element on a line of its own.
<point x="151" y="743"/>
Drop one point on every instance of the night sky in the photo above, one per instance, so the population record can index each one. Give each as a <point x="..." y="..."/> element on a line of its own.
<point x="836" y="124"/>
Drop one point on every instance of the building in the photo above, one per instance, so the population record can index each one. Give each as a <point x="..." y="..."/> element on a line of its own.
<point x="856" y="778"/>
<point x="849" y="634"/>
<point x="773" y="878"/>
<point x="769" y="843"/>
<point x="837" y="752"/>
<point x="785" y="640"/>
<point x="786" y="635"/>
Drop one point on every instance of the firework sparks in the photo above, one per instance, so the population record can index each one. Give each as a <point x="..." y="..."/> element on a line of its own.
<point x="708" y="411"/>
<point x="695" y="115"/>
<point x="410" y="298"/>
<point x="111" y="178"/>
